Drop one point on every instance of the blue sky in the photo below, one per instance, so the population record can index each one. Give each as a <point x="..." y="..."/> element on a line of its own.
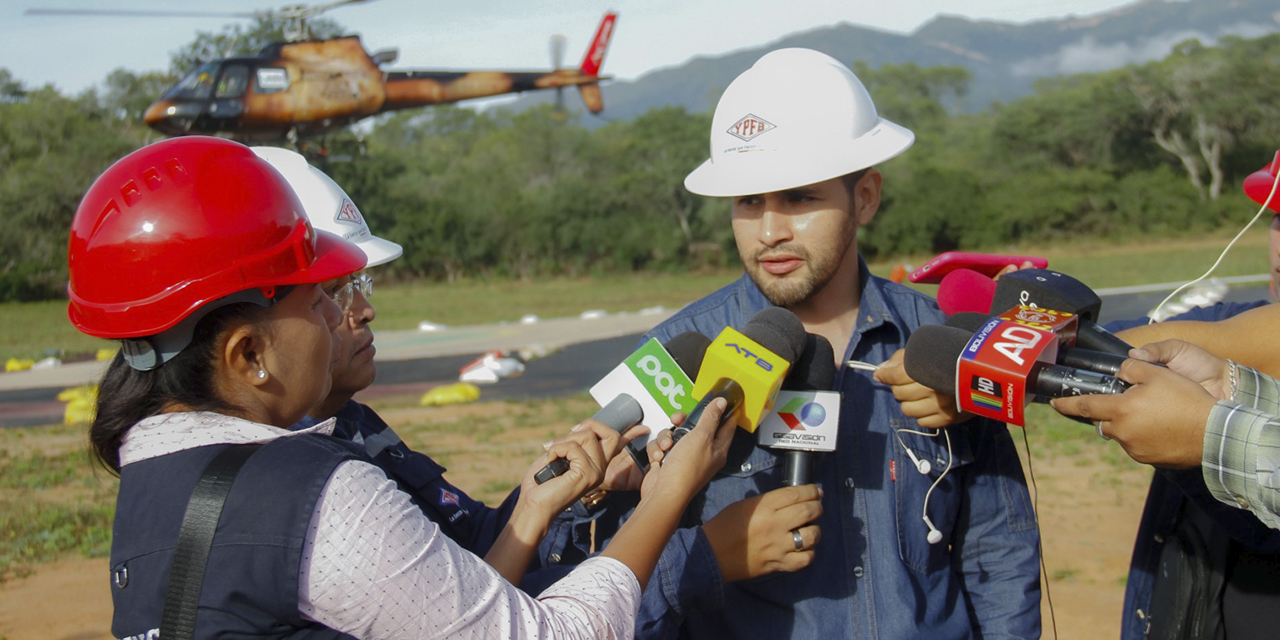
<point x="75" y="53"/>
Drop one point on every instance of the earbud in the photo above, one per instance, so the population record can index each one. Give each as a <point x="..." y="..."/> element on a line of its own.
<point x="922" y="466"/>
<point x="934" y="536"/>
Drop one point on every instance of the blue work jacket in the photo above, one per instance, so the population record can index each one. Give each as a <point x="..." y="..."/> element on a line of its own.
<point x="874" y="574"/>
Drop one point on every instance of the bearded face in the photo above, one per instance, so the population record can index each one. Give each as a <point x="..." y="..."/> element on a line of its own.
<point x="792" y="243"/>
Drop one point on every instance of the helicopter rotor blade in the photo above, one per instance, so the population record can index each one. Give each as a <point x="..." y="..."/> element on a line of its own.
<point x="141" y="14"/>
<point x="557" y="52"/>
<point x="304" y="11"/>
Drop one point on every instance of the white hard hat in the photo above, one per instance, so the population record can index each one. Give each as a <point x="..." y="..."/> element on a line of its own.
<point x="327" y="205"/>
<point x="794" y="118"/>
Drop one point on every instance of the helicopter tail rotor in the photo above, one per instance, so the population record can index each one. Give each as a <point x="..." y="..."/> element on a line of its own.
<point x="557" y="63"/>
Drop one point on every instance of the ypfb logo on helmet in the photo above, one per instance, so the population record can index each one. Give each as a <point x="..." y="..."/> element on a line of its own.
<point x="750" y="126"/>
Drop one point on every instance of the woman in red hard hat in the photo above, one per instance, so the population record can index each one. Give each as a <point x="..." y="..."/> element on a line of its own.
<point x="195" y="254"/>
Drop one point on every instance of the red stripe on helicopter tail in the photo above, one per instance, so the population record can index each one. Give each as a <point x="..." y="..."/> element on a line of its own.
<point x="592" y="62"/>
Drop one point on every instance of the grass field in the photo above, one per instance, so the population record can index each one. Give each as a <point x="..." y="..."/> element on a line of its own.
<point x="34" y="330"/>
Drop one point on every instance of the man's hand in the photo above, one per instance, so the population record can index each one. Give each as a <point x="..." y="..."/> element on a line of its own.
<point x="931" y="409"/>
<point x="754" y="537"/>
<point x="1191" y="362"/>
<point x="1159" y="420"/>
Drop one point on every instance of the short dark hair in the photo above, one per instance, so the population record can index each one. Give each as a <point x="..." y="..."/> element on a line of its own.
<point x="850" y="180"/>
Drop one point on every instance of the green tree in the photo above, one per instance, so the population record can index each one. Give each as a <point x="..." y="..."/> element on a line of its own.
<point x="51" y="149"/>
<point x="1201" y="101"/>
<point x="127" y="94"/>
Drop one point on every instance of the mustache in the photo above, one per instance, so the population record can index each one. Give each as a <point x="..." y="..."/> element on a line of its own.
<point x="787" y="249"/>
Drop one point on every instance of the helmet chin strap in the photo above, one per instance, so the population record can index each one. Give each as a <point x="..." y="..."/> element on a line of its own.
<point x="149" y="352"/>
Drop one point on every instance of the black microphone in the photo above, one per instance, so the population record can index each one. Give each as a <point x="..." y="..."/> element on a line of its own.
<point x="742" y="377"/>
<point x="686" y="350"/>
<point x="1087" y="359"/>
<point x="815" y="370"/>
<point x="933" y="350"/>
<point x="1049" y="289"/>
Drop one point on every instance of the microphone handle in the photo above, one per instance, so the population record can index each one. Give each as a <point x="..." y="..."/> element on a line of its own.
<point x="621" y="412"/>
<point x="1054" y="381"/>
<point x="723" y="388"/>
<point x="1092" y="336"/>
<point x="797" y="468"/>
<point x="1090" y="360"/>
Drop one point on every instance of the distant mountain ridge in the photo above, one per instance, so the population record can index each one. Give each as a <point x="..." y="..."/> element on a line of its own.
<point x="1006" y="59"/>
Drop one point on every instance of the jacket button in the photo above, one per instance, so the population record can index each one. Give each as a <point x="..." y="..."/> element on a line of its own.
<point x="848" y="484"/>
<point x="555" y="558"/>
<point x="857" y="572"/>
<point x="746" y="467"/>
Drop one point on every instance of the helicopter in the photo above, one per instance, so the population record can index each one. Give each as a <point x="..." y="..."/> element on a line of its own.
<point x="304" y="87"/>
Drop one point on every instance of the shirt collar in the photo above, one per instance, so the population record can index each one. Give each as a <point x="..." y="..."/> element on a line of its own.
<point x="167" y="433"/>
<point x="874" y="309"/>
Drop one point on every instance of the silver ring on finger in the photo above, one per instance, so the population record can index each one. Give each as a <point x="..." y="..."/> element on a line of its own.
<point x="1098" y="424"/>
<point x="798" y="539"/>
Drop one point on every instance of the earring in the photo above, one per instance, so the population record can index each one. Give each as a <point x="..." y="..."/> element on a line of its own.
<point x="262" y="374"/>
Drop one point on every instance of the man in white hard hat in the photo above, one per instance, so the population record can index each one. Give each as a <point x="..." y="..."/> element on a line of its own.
<point x="469" y="522"/>
<point x="907" y="550"/>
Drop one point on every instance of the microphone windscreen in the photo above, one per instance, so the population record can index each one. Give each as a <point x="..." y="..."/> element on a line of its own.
<point x="932" y="353"/>
<point x="777" y="330"/>
<point x="688" y="349"/>
<point x="965" y="290"/>
<point x="968" y="320"/>
<point x="621" y="412"/>
<point x="815" y="369"/>
<point x="1048" y="290"/>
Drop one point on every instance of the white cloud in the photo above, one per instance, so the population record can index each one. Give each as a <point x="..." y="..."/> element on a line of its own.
<point x="1089" y="56"/>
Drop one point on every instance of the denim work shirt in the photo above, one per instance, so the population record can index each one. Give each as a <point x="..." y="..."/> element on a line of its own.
<point x="874" y="574"/>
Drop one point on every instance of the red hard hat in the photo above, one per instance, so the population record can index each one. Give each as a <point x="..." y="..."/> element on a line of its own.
<point x="1260" y="184"/>
<point x="178" y="224"/>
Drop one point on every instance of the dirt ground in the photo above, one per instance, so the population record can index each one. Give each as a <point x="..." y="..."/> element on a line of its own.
<point x="1088" y="505"/>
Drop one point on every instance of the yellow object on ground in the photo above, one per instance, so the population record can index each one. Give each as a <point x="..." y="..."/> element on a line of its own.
<point x="456" y="393"/>
<point x="18" y="364"/>
<point x="82" y="404"/>
<point x="106" y="354"/>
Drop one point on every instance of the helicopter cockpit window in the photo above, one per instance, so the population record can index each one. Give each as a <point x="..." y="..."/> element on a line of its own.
<point x="272" y="79"/>
<point x="234" y="80"/>
<point x="197" y="85"/>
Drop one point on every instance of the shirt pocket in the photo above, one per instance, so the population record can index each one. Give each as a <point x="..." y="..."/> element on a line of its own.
<point x="912" y="490"/>
<point x="749" y="470"/>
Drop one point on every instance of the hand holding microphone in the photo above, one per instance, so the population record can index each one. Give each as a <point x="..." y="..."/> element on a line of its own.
<point x="767" y="533"/>
<point x="933" y="358"/>
<point x="932" y="409"/>
<point x="1161" y="419"/>
<point x="647" y="387"/>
